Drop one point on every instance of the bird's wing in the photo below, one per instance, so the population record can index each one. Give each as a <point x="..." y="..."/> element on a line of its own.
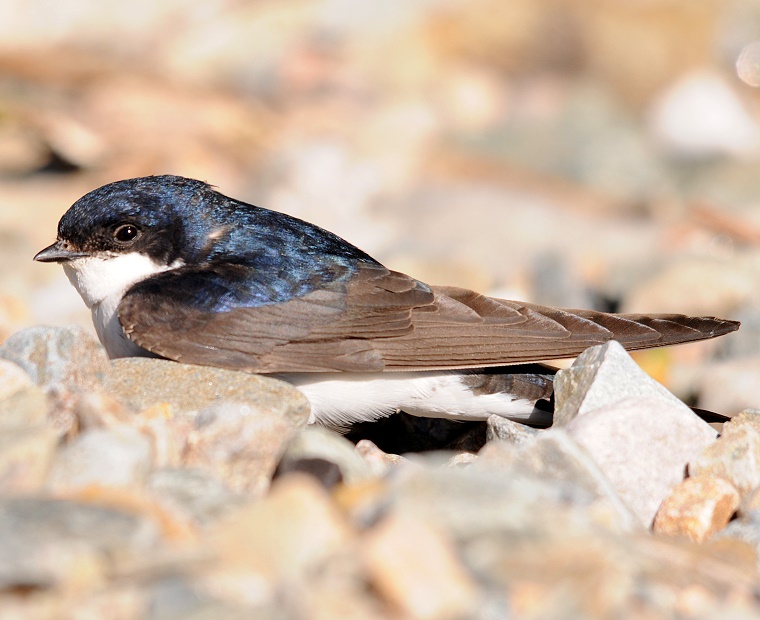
<point x="377" y="320"/>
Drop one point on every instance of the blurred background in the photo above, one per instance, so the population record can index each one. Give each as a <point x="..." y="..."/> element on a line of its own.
<point x="595" y="153"/>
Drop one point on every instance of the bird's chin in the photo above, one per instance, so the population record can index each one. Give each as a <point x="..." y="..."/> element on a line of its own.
<point x="75" y="270"/>
<point x="107" y="276"/>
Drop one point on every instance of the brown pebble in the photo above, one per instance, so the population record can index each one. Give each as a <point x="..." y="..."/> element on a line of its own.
<point x="414" y="566"/>
<point x="697" y="508"/>
<point x="294" y="528"/>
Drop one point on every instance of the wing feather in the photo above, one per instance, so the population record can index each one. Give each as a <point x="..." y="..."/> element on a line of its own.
<point x="380" y="320"/>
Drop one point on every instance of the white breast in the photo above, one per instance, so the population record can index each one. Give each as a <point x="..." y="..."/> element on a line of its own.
<point x="101" y="281"/>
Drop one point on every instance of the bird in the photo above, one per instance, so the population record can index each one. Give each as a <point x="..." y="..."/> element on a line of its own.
<point x="171" y="268"/>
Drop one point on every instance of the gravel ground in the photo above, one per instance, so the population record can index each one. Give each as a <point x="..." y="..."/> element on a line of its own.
<point x="580" y="154"/>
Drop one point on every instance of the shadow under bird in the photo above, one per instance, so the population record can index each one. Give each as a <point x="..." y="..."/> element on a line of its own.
<point x="171" y="268"/>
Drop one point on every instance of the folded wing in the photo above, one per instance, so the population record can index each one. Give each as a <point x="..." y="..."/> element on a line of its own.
<point x="378" y="320"/>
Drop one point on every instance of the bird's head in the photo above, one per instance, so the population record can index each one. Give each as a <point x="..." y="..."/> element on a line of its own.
<point x="123" y="232"/>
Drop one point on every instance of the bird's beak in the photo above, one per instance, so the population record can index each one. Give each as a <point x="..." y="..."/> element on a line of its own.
<point x="59" y="252"/>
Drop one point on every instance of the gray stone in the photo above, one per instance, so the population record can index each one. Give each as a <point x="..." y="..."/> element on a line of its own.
<point x="143" y="382"/>
<point x="175" y="598"/>
<point x="57" y="357"/>
<point x="477" y="501"/>
<point x="241" y="443"/>
<point x="554" y="455"/>
<point x="746" y="529"/>
<point x="507" y="430"/>
<point x="379" y="462"/>
<point x="193" y="494"/>
<point x="43" y="540"/>
<point x="600" y="376"/>
<point x="116" y="457"/>
<point x="642" y="445"/>
<point x="315" y="445"/>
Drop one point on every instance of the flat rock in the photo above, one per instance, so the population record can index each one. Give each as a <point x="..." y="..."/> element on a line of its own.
<point x="56" y="357"/>
<point x="697" y="508"/>
<point x="643" y="446"/>
<point x="142" y="382"/>
<point x="118" y="457"/>
<point x="600" y="376"/>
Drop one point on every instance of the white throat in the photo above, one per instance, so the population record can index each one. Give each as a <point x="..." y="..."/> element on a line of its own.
<point x="101" y="281"/>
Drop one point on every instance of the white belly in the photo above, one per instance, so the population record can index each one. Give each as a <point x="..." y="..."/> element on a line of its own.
<point x="339" y="399"/>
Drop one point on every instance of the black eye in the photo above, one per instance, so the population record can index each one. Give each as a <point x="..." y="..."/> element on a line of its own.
<point x="125" y="233"/>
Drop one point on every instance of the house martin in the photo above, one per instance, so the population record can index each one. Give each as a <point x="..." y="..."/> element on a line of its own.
<point x="172" y="268"/>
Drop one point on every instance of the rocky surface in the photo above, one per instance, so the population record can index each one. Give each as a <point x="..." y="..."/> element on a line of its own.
<point x="182" y="491"/>
<point x="581" y="154"/>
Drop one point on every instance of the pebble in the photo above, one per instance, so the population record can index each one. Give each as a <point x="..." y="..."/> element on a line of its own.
<point x="659" y="436"/>
<point x="379" y="462"/>
<point x="747" y="530"/>
<point x="44" y="542"/>
<point x="289" y="534"/>
<point x="554" y="455"/>
<point x="158" y="500"/>
<point x="26" y="456"/>
<point x="735" y="457"/>
<point x="22" y="403"/>
<point x="240" y="444"/>
<point x="603" y="375"/>
<point x="325" y="455"/>
<point x="505" y="429"/>
<point x="414" y="567"/>
<point x="746" y="417"/>
<point x="474" y="501"/>
<point x="194" y="495"/>
<point x="697" y="508"/>
<point x="58" y="356"/>
<point x="379" y="121"/>
<point x="118" y="457"/>
<point x="12" y="379"/>
<point x="142" y="382"/>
